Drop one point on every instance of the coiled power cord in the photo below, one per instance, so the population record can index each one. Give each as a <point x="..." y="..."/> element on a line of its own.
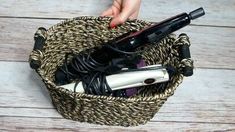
<point x="84" y="67"/>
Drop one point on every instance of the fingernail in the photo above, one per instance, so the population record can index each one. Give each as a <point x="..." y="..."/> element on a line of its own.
<point x="112" y="25"/>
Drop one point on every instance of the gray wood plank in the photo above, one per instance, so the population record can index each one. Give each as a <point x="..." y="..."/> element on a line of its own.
<point x="22" y="87"/>
<point x="169" y="112"/>
<point x="211" y="46"/>
<point x="156" y="10"/>
<point x="205" y="97"/>
<point x="217" y="11"/>
<point x="204" y="102"/>
<point x="61" y="125"/>
<point x="16" y="38"/>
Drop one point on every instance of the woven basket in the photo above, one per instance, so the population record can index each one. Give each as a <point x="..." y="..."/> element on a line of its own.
<point x="78" y="34"/>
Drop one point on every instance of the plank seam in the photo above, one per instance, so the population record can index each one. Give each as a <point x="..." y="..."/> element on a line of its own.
<point x="199" y="122"/>
<point x="64" y="18"/>
<point x="22" y="107"/>
<point x="52" y="108"/>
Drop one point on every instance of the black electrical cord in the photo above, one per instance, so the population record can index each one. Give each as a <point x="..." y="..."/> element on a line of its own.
<point x="91" y="73"/>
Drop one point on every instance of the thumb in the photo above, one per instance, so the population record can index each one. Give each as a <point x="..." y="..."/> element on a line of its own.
<point x="108" y="12"/>
<point x="120" y="18"/>
<point x="116" y="21"/>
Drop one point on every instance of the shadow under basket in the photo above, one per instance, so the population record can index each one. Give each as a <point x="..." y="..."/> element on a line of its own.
<point x="81" y="33"/>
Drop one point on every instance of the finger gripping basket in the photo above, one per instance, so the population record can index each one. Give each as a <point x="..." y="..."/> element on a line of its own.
<point x="78" y="34"/>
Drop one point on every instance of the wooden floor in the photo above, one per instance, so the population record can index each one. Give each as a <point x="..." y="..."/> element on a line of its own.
<point x="204" y="102"/>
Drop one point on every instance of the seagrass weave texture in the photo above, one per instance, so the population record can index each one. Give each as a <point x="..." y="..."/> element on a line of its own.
<point x="78" y="34"/>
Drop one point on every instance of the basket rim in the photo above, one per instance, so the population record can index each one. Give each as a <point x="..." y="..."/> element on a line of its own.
<point x="102" y="18"/>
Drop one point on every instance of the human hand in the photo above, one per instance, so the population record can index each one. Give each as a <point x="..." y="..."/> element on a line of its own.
<point x="121" y="10"/>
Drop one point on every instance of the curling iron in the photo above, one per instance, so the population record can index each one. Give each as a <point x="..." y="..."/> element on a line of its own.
<point x="143" y="76"/>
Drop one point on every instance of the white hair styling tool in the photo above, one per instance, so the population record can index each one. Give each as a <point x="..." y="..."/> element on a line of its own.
<point x="147" y="75"/>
